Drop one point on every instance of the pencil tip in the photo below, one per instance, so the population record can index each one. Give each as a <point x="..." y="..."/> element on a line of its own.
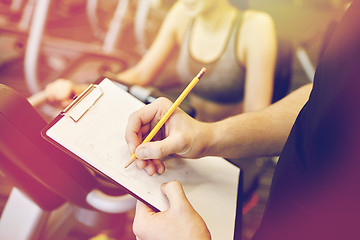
<point x="132" y="159"/>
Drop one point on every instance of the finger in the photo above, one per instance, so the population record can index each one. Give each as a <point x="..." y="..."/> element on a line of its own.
<point x="152" y="113"/>
<point x="145" y="129"/>
<point x="138" y="124"/>
<point x="142" y="209"/>
<point x="62" y="89"/>
<point x="159" y="166"/>
<point x="159" y="135"/>
<point x="147" y="114"/>
<point x="150" y="168"/>
<point x="133" y="141"/>
<point x="141" y="164"/>
<point x="175" y="193"/>
<point x="49" y="93"/>
<point x="142" y="214"/>
<point x="160" y="149"/>
<point x="133" y="136"/>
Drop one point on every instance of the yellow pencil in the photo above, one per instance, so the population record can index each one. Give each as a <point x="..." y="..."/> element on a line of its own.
<point x="170" y="111"/>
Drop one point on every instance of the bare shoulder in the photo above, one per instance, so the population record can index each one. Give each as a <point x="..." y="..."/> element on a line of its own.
<point x="253" y="18"/>
<point x="257" y="25"/>
<point x="257" y="31"/>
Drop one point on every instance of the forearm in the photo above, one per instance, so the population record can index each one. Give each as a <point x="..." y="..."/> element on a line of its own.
<point x="255" y="134"/>
<point x="131" y="76"/>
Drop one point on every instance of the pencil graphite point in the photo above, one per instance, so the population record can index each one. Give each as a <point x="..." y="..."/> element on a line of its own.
<point x="132" y="159"/>
<point x="170" y="111"/>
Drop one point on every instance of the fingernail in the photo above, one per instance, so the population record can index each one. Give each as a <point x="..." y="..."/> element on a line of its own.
<point x="142" y="153"/>
<point x="160" y="171"/>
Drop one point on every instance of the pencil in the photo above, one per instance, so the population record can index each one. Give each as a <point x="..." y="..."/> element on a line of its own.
<point x="170" y="111"/>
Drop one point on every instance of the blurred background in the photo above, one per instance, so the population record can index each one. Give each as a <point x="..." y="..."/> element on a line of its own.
<point x="81" y="39"/>
<point x="43" y="40"/>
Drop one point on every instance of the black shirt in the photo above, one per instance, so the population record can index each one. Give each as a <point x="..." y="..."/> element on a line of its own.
<point x="315" y="193"/>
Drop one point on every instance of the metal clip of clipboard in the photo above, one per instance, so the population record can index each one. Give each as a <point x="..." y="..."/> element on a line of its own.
<point x="83" y="102"/>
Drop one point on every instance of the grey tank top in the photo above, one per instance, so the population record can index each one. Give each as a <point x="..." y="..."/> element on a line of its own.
<point x="224" y="80"/>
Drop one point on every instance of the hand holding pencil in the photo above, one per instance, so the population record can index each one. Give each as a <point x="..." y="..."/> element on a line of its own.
<point x="169" y="112"/>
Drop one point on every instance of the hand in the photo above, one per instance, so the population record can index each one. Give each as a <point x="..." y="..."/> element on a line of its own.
<point x="181" y="135"/>
<point x="180" y="221"/>
<point x="60" y="91"/>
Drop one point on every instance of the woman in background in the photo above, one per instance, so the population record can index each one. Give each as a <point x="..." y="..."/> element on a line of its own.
<point x="238" y="48"/>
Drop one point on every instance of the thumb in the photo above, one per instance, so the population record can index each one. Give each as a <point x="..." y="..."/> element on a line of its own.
<point x="160" y="149"/>
<point x="175" y="193"/>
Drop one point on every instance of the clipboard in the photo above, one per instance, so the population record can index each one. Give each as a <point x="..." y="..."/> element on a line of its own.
<point x="92" y="130"/>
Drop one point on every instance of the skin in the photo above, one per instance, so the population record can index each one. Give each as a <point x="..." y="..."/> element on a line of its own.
<point x="261" y="133"/>
<point x="191" y="225"/>
<point x="62" y="91"/>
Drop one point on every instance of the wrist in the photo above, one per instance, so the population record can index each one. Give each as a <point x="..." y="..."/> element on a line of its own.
<point x="208" y="137"/>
